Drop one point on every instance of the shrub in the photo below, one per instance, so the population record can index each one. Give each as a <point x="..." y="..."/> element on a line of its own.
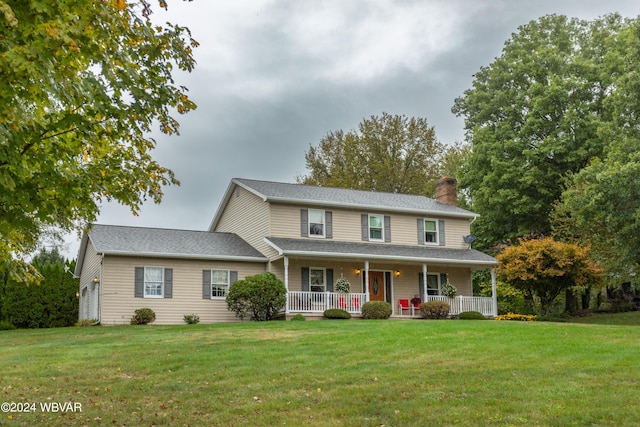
<point x="376" y="310"/>
<point x="143" y="316"/>
<point x="299" y="317"/>
<point x="261" y="297"/>
<point x="191" y="319"/>
<point x="336" y="313"/>
<point x="86" y="322"/>
<point x="6" y="325"/>
<point x="520" y="317"/>
<point x="471" y="315"/>
<point x="435" y="309"/>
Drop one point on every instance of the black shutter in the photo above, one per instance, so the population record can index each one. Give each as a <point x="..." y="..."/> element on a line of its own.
<point x="387" y="284"/>
<point x="328" y="223"/>
<point x="206" y="284"/>
<point x="364" y="221"/>
<point x="443" y="278"/>
<point x="329" y="279"/>
<point x="420" y="231"/>
<point x="233" y="277"/>
<point x="138" y="291"/>
<point x="441" y="232"/>
<point x="421" y="285"/>
<point x="387" y="228"/>
<point x="305" y="279"/>
<point x="304" y="222"/>
<point x="168" y="282"/>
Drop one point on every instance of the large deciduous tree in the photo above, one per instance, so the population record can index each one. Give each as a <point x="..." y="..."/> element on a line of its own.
<point x="544" y="268"/>
<point x="389" y="153"/>
<point x="83" y="82"/>
<point x="536" y="114"/>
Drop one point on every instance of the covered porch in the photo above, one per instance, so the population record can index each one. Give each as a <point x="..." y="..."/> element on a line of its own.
<point x="380" y="272"/>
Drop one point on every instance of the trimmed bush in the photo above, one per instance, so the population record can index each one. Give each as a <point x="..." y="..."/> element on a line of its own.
<point x="261" y="297"/>
<point x="143" y="316"/>
<point x="299" y="317"/>
<point x="435" y="309"/>
<point x="376" y="310"/>
<point x="336" y="313"/>
<point x="191" y="319"/>
<point x="6" y="325"/>
<point x="471" y="315"/>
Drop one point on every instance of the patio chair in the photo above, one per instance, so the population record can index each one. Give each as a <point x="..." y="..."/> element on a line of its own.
<point x="415" y="303"/>
<point x="342" y="303"/>
<point x="355" y="303"/>
<point x="403" y="304"/>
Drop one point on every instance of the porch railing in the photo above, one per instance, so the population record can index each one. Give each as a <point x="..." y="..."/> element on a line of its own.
<point x="318" y="302"/>
<point x="460" y="304"/>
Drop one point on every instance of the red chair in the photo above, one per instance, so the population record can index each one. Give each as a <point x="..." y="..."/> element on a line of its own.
<point x="415" y="302"/>
<point x="403" y="304"/>
<point x="355" y="301"/>
<point x="342" y="303"/>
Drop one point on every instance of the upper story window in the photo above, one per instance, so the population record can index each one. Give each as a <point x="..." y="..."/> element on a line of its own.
<point x="376" y="228"/>
<point x="316" y="223"/>
<point x="431" y="231"/>
<point x="317" y="280"/>
<point x="153" y="282"/>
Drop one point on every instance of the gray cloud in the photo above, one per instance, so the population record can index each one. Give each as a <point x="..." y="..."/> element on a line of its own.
<point x="275" y="76"/>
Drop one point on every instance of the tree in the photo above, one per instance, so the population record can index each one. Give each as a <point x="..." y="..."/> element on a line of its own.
<point x="261" y="297"/>
<point x="392" y="154"/>
<point x="51" y="303"/>
<point x="82" y="84"/>
<point x="603" y="200"/>
<point x="533" y="117"/>
<point x="544" y="268"/>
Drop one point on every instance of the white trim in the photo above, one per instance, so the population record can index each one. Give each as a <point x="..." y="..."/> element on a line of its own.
<point x="184" y="256"/>
<point x="144" y="282"/>
<point x="228" y="284"/>
<point x="324" y="279"/>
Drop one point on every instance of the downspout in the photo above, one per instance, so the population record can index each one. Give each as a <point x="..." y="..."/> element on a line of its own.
<point x="100" y="293"/>
<point x="286" y="282"/>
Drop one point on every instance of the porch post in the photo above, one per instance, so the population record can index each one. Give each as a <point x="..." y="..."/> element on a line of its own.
<point x="424" y="279"/>
<point x="286" y="281"/>
<point x="366" y="281"/>
<point x="494" y="293"/>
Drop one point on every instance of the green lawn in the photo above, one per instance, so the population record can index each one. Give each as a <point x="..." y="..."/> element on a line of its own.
<point x="327" y="373"/>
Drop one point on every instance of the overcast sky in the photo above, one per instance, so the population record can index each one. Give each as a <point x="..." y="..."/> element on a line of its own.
<point x="274" y="77"/>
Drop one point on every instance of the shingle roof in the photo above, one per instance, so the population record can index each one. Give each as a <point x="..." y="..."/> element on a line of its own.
<point x="331" y="248"/>
<point x="277" y="191"/>
<point x="160" y="242"/>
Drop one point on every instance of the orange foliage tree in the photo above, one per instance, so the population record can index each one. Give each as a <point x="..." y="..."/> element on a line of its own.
<point x="544" y="268"/>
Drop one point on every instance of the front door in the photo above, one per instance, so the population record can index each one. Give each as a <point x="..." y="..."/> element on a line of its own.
<point x="376" y="286"/>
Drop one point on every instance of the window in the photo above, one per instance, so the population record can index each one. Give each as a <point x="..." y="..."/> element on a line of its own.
<point x="219" y="283"/>
<point x="317" y="282"/>
<point x="430" y="231"/>
<point x="153" y="282"/>
<point x="316" y="223"/>
<point x="376" y="224"/>
<point x="433" y="284"/>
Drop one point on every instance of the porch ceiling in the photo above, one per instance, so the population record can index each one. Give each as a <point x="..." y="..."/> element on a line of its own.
<point x="366" y="250"/>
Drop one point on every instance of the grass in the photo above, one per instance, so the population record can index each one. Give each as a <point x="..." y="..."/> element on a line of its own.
<point x="327" y="373"/>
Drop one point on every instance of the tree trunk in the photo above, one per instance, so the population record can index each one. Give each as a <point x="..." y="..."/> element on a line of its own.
<point x="570" y="302"/>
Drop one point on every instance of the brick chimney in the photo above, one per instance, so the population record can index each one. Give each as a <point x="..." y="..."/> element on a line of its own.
<point x="446" y="191"/>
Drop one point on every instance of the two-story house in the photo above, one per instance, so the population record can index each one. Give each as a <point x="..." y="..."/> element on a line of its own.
<point x="390" y="247"/>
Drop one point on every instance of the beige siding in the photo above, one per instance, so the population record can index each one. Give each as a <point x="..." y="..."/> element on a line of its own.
<point x="89" y="290"/>
<point x="285" y="222"/>
<point x="119" y="303"/>
<point x="247" y="215"/>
